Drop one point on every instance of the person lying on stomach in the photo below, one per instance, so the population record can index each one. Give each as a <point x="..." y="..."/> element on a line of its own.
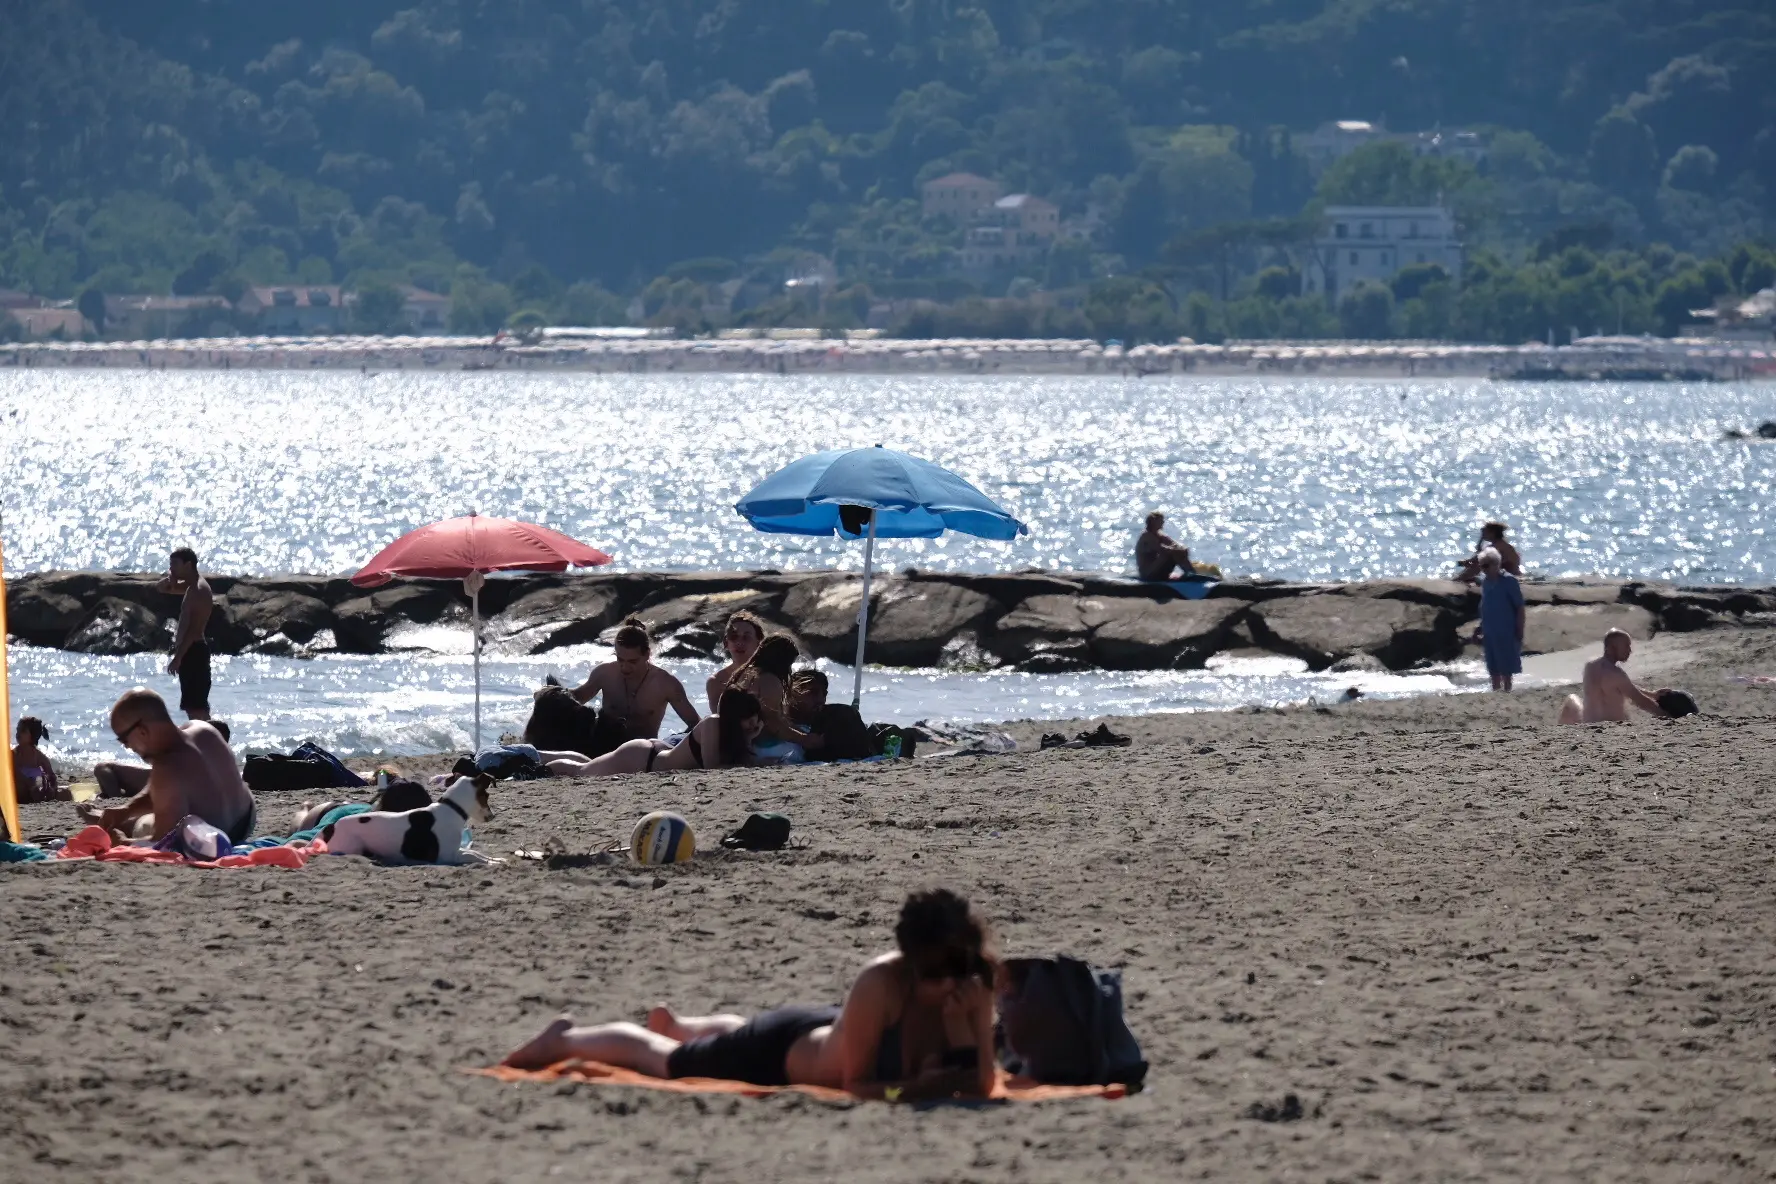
<point x="917" y="1024"/>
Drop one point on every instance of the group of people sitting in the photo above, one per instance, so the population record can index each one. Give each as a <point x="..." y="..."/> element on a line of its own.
<point x="762" y="710"/>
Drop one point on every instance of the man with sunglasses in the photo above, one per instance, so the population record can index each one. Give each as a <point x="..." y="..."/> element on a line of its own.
<point x="191" y="770"/>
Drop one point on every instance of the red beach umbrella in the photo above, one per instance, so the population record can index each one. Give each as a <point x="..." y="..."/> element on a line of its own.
<point x="469" y="548"/>
<point x="455" y="547"/>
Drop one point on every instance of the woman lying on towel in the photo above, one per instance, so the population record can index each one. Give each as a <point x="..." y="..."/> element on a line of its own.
<point x="917" y="1024"/>
<point x="724" y="738"/>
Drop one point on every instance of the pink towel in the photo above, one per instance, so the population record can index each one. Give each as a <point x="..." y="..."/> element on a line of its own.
<point x="95" y="843"/>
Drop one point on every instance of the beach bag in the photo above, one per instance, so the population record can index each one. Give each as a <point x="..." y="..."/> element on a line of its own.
<point x="760" y="832"/>
<point x="560" y="723"/>
<point x="847" y="739"/>
<point x="343" y="778"/>
<point x="892" y="740"/>
<point x="1060" y="1023"/>
<point x="277" y="771"/>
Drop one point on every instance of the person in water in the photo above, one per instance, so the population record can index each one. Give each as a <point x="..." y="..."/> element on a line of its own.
<point x="916" y="1024"/>
<point x="741" y="638"/>
<point x="191" y="771"/>
<point x="1607" y="688"/>
<point x="766" y="675"/>
<point x="1492" y="538"/>
<point x="635" y="692"/>
<point x="33" y="776"/>
<point x="1157" y="553"/>
<point x="724" y="738"/>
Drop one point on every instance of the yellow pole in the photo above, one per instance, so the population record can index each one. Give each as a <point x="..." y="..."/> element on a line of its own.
<point x="8" y="792"/>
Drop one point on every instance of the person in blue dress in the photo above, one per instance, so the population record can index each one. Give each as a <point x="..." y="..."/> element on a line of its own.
<point x="1501" y="620"/>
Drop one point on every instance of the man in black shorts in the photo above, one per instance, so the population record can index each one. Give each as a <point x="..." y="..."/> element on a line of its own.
<point x="191" y="656"/>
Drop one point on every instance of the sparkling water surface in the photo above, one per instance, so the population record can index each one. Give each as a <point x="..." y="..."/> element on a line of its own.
<point x="1298" y="478"/>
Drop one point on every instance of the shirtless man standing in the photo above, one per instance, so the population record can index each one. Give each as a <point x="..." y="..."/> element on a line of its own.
<point x="634" y="690"/>
<point x="190" y="771"/>
<point x="1607" y="688"/>
<point x="191" y="654"/>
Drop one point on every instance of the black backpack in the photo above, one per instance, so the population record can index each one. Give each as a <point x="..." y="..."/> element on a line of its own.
<point x="1060" y="1023"/>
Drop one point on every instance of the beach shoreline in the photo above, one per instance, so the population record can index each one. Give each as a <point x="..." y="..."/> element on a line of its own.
<point x="1588" y="359"/>
<point x="1473" y="944"/>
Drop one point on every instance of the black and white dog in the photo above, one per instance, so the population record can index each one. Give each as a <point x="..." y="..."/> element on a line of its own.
<point x="431" y="835"/>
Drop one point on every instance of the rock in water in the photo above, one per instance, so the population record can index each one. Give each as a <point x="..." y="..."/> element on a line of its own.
<point x="1321" y="629"/>
<point x="119" y="627"/>
<point x="1136" y="634"/>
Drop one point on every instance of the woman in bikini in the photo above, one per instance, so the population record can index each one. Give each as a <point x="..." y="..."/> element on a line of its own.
<point x="741" y="638"/>
<point x="724" y="738"/>
<point x="916" y="1024"/>
<point x="33" y="775"/>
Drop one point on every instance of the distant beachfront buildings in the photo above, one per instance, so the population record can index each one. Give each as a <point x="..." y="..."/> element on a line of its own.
<point x="1341" y="137"/>
<point x="1004" y="232"/>
<point x="1374" y="243"/>
<point x="276" y="309"/>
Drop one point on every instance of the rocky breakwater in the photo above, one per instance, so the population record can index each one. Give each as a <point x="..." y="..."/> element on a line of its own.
<point x="1033" y="621"/>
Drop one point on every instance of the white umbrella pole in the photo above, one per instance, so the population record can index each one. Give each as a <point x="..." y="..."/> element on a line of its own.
<point x="869" y="555"/>
<point x="475" y="604"/>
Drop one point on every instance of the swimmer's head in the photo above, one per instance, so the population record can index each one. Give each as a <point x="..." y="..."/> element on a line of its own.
<point x="31" y="730"/>
<point x="1155" y="520"/>
<point x="141" y="722"/>
<point x="634" y="646"/>
<point x="944" y="942"/>
<point x="743" y="634"/>
<point x="1617" y="645"/>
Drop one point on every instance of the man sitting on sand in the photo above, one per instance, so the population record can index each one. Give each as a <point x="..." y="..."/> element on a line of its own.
<point x="1607" y="688"/>
<point x="1157" y="554"/>
<point x="190" y="771"/>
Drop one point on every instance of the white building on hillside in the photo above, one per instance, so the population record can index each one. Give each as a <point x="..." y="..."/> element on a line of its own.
<point x="1360" y="243"/>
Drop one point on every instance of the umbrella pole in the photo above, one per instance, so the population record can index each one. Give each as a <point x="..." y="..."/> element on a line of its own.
<point x="475" y="608"/>
<point x="869" y="555"/>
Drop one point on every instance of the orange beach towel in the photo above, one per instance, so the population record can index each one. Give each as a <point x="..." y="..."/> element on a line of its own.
<point x="1006" y="1089"/>
<point x="95" y="843"/>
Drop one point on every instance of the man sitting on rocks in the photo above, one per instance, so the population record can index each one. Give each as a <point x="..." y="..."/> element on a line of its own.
<point x="1157" y="554"/>
<point x="1607" y="688"/>
<point x="190" y="771"/>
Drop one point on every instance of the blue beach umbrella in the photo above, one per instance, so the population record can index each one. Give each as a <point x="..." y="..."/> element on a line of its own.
<point x="871" y="493"/>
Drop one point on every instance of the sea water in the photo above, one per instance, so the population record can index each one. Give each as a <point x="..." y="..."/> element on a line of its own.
<point x="1300" y="478"/>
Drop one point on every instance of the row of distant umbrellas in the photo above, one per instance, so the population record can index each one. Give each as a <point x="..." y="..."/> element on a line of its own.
<point x="854" y="493"/>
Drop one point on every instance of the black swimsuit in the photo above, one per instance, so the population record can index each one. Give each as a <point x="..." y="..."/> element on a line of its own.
<point x="757" y="1051"/>
<point x="696" y="753"/>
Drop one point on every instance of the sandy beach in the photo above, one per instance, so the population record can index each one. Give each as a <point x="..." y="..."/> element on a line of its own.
<point x="1475" y="946"/>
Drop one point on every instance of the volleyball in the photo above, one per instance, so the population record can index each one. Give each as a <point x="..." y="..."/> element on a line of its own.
<point x="662" y="837"/>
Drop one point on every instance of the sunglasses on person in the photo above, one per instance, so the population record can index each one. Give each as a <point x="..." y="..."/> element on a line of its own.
<point x="947" y="964"/>
<point x="123" y="736"/>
